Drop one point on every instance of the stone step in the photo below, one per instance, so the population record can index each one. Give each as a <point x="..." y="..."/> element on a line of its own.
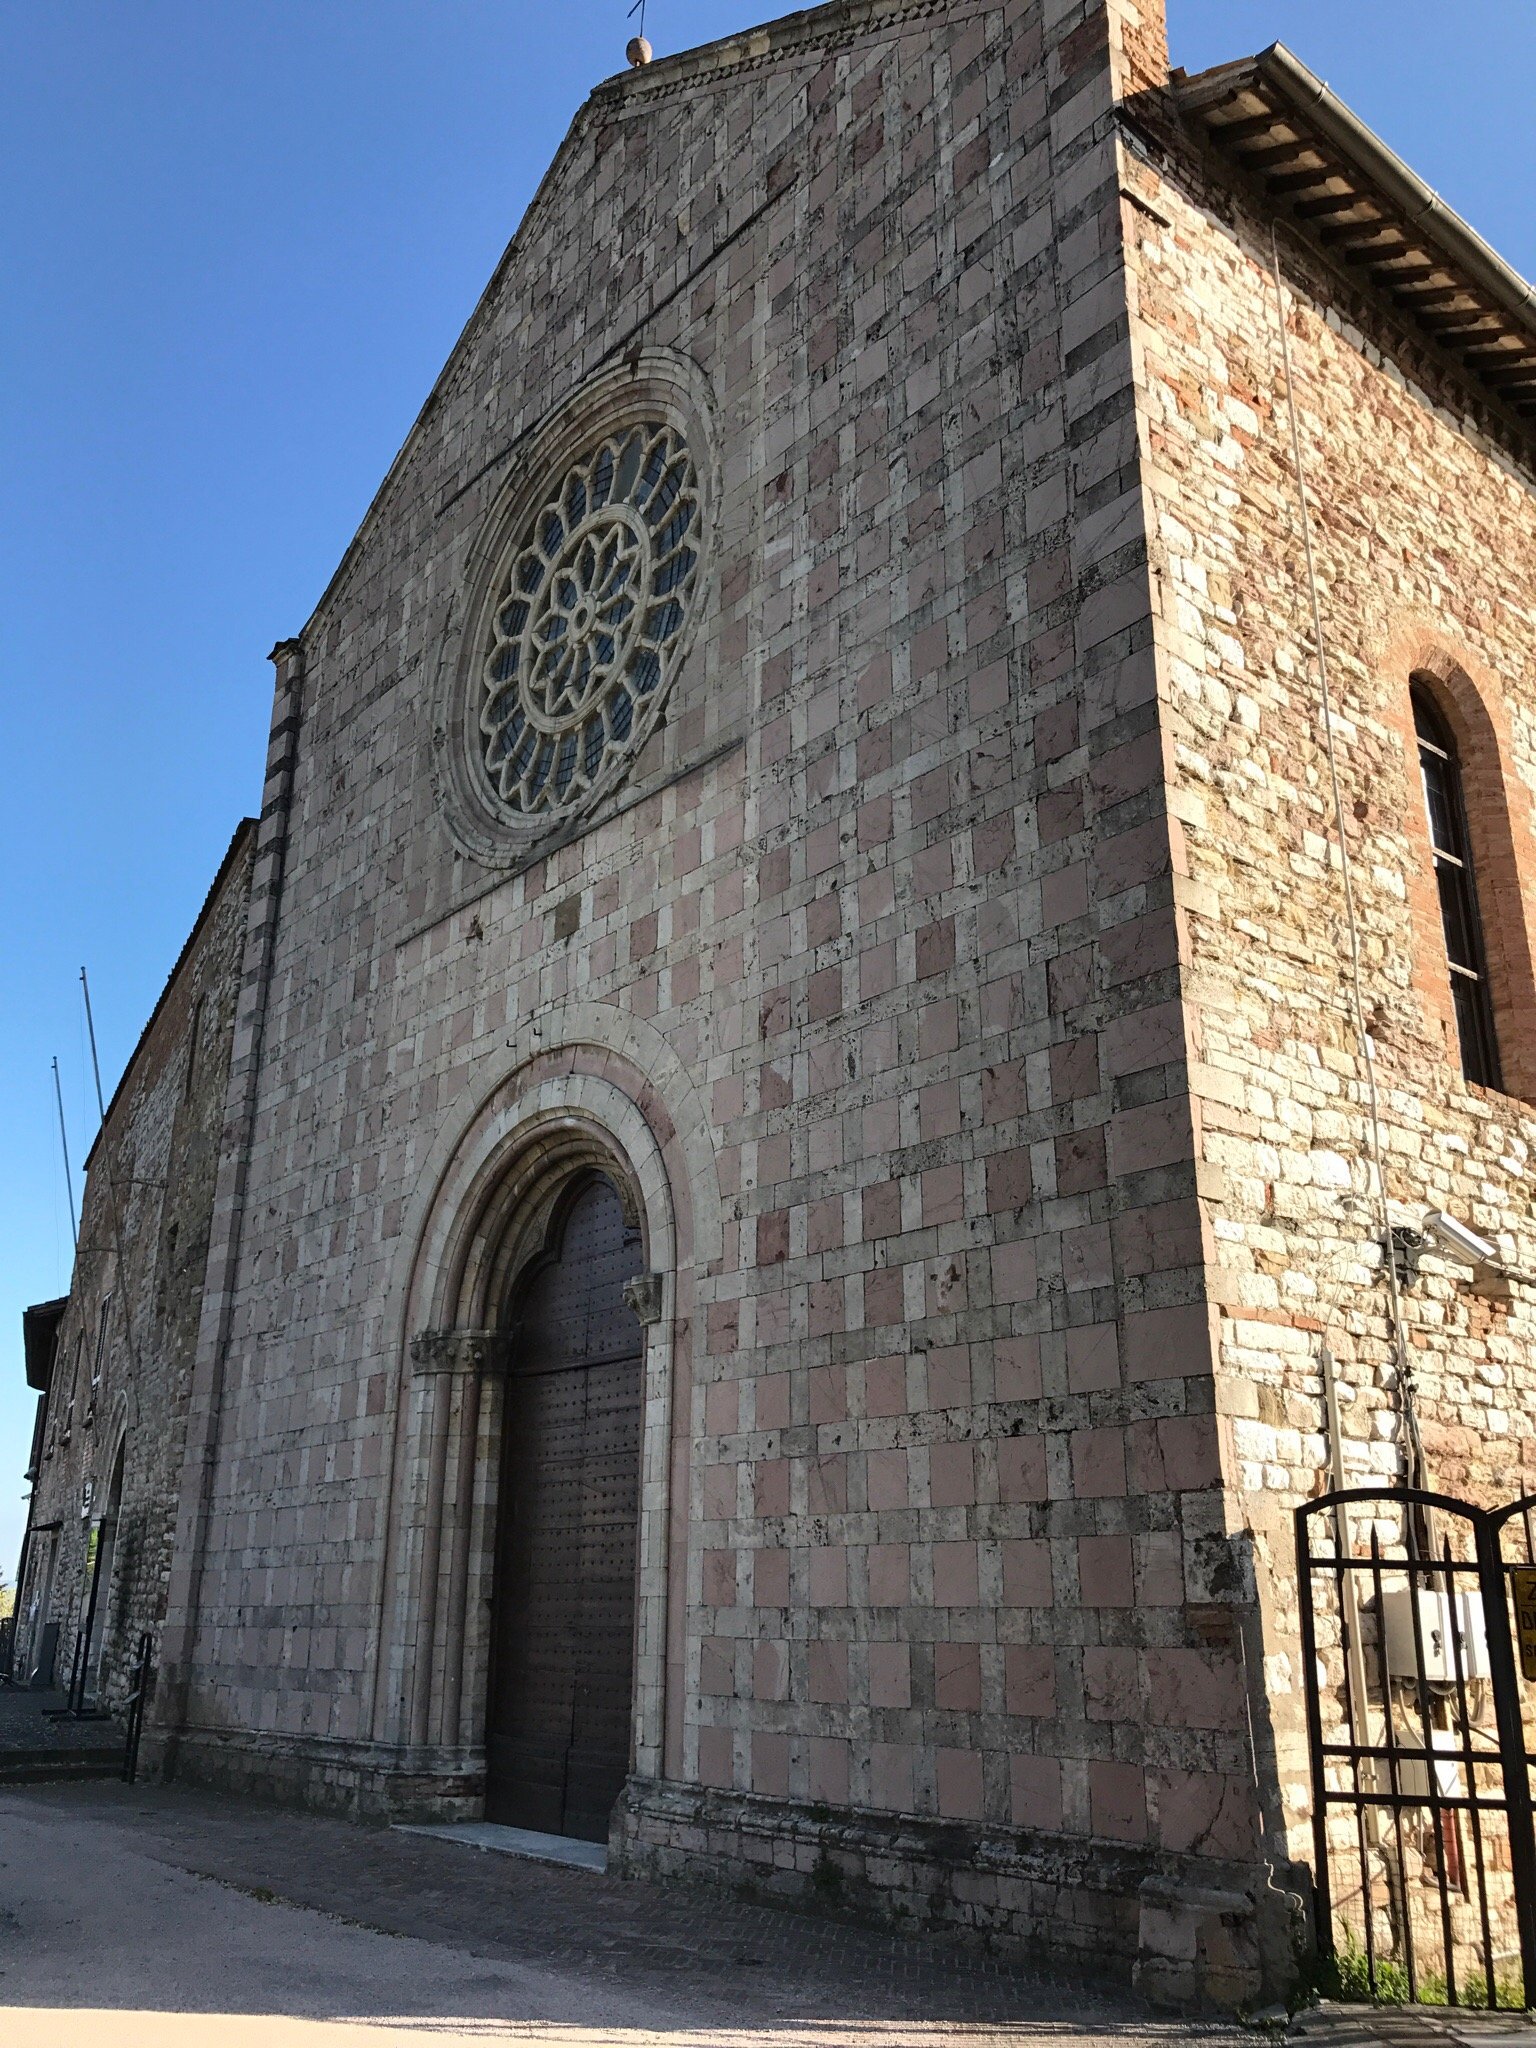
<point x="38" y="1766"/>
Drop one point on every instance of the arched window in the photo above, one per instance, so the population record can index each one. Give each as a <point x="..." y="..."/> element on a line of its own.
<point x="1450" y="845"/>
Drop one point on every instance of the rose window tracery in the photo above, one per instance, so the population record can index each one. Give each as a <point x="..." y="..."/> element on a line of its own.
<point x="587" y="617"/>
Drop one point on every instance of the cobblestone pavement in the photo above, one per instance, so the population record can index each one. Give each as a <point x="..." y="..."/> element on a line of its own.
<point x="27" y="1726"/>
<point x="1349" y="2026"/>
<point x="110" y="1933"/>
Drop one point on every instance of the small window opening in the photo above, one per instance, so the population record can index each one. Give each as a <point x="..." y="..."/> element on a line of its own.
<point x="98" y="1362"/>
<point x="1445" y="808"/>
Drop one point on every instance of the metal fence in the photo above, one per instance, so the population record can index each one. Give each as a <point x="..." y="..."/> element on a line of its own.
<point x="1418" y="1717"/>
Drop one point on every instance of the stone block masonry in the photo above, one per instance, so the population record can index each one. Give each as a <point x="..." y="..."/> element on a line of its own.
<point x="949" y="986"/>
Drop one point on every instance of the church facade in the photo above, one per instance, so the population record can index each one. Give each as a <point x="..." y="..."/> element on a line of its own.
<point x="846" y="972"/>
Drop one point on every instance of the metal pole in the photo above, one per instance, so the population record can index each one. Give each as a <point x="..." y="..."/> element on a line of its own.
<point x="1322" y="1888"/>
<point x="90" y="1025"/>
<point x="69" y="1186"/>
<point x="1512" y="1759"/>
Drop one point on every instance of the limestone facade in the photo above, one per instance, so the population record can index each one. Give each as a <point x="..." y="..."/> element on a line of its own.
<point x="950" y="984"/>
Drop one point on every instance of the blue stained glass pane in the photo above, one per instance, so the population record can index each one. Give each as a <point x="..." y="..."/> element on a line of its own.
<point x="645" y="672"/>
<point x="592" y="747"/>
<point x="565" y="763"/>
<point x="621" y="714"/>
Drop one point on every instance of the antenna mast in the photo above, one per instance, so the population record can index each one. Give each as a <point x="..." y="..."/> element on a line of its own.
<point x="69" y="1186"/>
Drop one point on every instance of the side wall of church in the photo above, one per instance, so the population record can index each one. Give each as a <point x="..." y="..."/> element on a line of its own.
<point x="892" y="885"/>
<point x="1425" y="541"/>
<point x="126" y="1340"/>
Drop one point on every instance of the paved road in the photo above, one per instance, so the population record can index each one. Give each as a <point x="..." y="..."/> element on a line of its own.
<point x="172" y="1919"/>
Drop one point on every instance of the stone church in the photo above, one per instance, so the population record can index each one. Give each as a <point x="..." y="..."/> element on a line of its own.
<point x="900" y="846"/>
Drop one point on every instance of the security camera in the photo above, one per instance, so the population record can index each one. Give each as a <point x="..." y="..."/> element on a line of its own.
<point x="1452" y="1236"/>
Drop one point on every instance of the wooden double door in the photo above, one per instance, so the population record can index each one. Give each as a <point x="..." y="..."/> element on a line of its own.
<point x="562" y="1661"/>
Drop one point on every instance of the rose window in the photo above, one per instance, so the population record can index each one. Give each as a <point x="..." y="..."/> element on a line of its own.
<point x="587" y="619"/>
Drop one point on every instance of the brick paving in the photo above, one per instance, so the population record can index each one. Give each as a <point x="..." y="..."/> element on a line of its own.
<point x="727" y="1964"/>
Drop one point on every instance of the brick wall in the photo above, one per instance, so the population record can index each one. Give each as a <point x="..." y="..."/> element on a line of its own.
<point x="1423" y="530"/>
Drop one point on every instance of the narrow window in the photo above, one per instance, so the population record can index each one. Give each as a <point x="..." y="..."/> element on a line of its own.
<point x="98" y="1363"/>
<point x="1447" y="814"/>
<point x="74" y="1388"/>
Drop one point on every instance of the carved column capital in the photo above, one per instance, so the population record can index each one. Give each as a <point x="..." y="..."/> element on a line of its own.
<point x="643" y="1295"/>
<point x="460" y="1350"/>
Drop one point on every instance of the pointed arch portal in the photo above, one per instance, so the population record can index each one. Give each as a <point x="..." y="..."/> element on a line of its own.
<point x="562" y="1653"/>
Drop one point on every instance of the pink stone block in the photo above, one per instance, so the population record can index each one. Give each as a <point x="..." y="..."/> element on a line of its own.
<point x="1098" y="1463"/>
<point x="827" y="1672"/>
<point x="1111" y="1686"/>
<point x="1205" y="1810"/>
<point x="943" y="1194"/>
<point x="1193" y="1689"/>
<point x="884" y="1298"/>
<point x="826" y="1309"/>
<point x="1029" y="1679"/>
<point x="1155" y="1134"/>
<point x="938" y="1110"/>
<point x="949" y="1377"/>
<point x="824" y="1225"/>
<point x="885" y="1386"/>
<point x="1035" y="1792"/>
<point x="882" y="1210"/>
<point x="890" y="1675"/>
<point x="1027" y="1572"/>
<point x="1093" y="1358"/>
<point x="770" y="1487"/>
<point x="827" y="1769"/>
<point x="1177" y="1454"/>
<point x="1140" y="1039"/>
<point x="717" y="1666"/>
<point x="1016" y="1369"/>
<point x="771" y="1409"/>
<point x="773" y="1238"/>
<point x="770" y="1578"/>
<point x="1013" y="1272"/>
<point x="828" y="1391"/>
<point x="1117" y="1802"/>
<point x="770" y="1669"/>
<point x="1104" y="1571"/>
<point x="890" y="1776"/>
<point x="887" y="1475"/>
<point x="1169" y="1343"/>
<point x="718" y="1492"/>
<point x="719" y="1578"/>
<point x="955" y="1580"/>
<point x="829" y="1575"/>
<point x="890" y="1575"/>
<point x="1021" y="1474"/>
<point x="951" y="1476"/>
<point x="715" y="1763"/>
<point x="1010" y="1181"/>
<point x="958" y="1780"/>
<point x="770" y="1765"/>
<point x="826" y="1485"/>
<point x="957" y="1677"/>
<point x="722" y="1408"/>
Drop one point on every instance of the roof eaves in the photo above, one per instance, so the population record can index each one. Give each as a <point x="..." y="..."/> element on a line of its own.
<point x="1268" y="114"/>
<point x="39" y="1328"/>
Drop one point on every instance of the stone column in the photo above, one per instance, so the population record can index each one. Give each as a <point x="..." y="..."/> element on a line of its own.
<point x="453" y="1362"/>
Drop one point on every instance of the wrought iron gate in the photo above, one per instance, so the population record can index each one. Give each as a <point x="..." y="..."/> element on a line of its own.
<point x="1419" y="1726"/>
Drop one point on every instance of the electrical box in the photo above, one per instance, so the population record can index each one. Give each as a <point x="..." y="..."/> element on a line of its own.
<point x="1439" y="1613"/>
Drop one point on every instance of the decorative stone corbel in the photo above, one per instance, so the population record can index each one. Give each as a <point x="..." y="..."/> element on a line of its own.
<point x="643" y="1295"/>
<point x="460" y="1350"/>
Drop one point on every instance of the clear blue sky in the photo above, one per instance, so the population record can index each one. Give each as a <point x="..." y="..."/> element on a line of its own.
<point x="238" y="242"/>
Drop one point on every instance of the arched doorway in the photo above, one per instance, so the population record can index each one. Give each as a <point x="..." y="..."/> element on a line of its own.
<point x="562" y="1654"/>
